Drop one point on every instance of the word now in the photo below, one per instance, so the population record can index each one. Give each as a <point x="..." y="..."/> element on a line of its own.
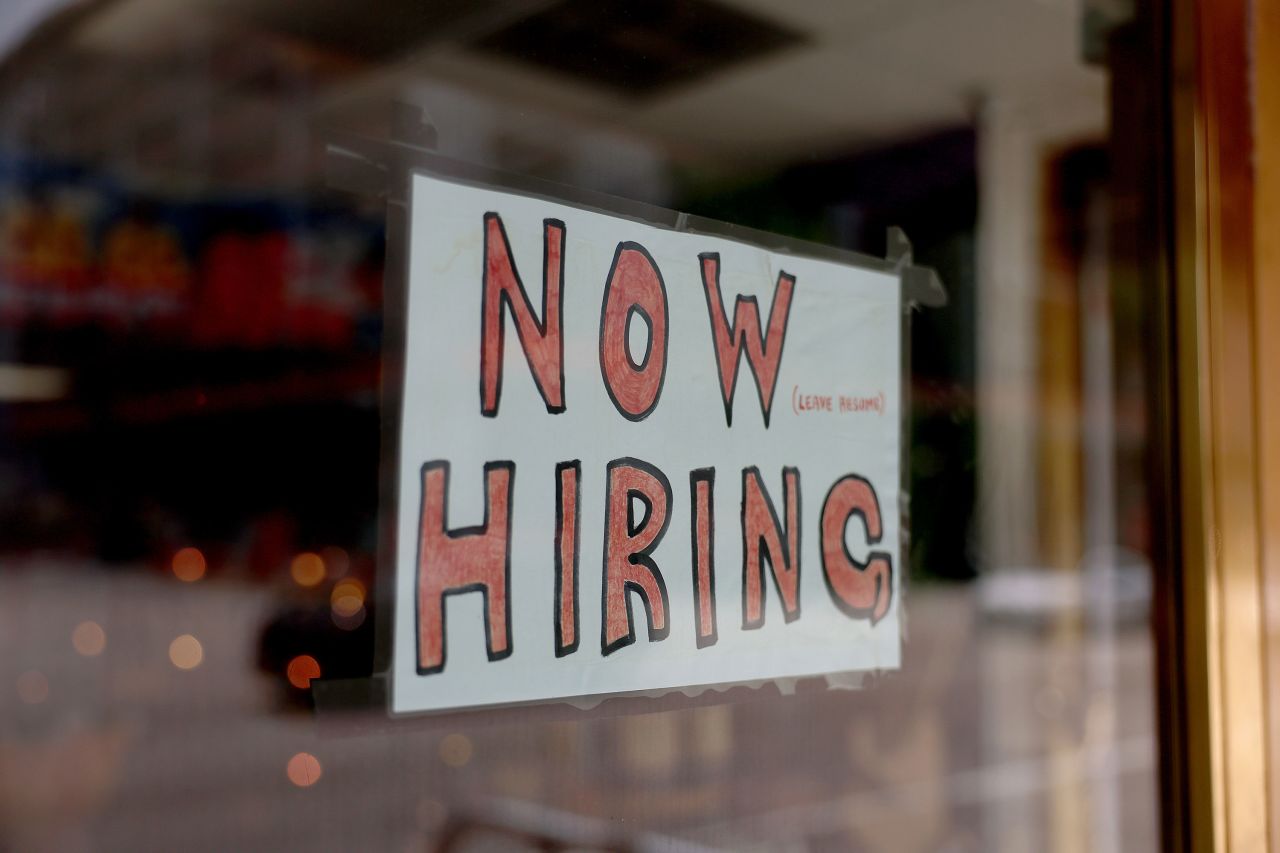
<point x="457" y="560"/>
<point x="633" y="288"/>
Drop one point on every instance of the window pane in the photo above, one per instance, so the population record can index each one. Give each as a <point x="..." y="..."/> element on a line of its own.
<point x="192" y="429"/>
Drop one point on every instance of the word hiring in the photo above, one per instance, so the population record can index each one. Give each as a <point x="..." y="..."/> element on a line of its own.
<point x="453" y="561"/>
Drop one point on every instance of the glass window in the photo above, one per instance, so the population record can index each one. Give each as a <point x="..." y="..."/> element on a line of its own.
<point x="194" y="324"/>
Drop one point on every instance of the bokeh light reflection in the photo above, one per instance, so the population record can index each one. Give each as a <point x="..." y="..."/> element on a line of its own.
<point x="349" y="622"/>
<point x="185" y="652"/>
<point x="303" y="770"/>
<point x="89" y="639"/>
<point x="337" y="562"/>
<point x="189" y="565"/>
<point x="455" y="750"/>
<point x="33" y="687"/>
<point x="347" y="598"/>
<point x="307" y="569"/>
<point x="301" y="670"/>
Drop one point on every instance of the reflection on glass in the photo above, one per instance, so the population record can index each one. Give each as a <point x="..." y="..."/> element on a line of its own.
<point x="191" y="334"/>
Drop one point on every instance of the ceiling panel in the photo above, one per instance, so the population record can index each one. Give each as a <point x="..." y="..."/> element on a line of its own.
<point x="860" y="73"/>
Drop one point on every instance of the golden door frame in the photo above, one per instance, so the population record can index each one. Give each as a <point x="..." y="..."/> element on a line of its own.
<point x="1223" y="354"/>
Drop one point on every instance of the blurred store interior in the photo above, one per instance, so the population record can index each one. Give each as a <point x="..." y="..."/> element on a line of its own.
<point x="190" y="343"/>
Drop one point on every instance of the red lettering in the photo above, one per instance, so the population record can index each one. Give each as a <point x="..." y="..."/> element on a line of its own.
<point x="860" y="590"/>
<point x="634" y="287"/>
<point x="702" y="484"/>
<point x="468" y="559"/>
<point x="762" y="541"/>
<point x="814" y="402"/>
<point x="763" y="355"/>
<point x="541" y="341"/>
<point x="628" y="544"/>
<point x="568" y="537"/>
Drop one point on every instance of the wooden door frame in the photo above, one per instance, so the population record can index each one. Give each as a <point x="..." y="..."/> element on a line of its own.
<point x="1226" y="433"/>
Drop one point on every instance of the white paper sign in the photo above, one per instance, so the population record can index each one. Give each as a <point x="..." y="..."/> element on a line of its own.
<point x="636" y="459"/>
